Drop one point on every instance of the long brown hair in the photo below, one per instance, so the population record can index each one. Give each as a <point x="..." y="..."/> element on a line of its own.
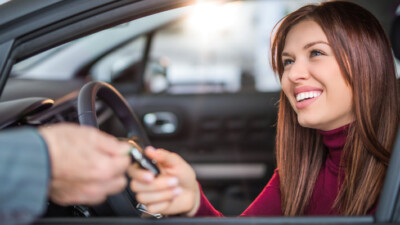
<point x="363" y="53"/>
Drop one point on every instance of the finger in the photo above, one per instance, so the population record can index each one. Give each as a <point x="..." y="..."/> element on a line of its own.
<point x="114" y="147"/>
<point x="81" y="198"/>
<point x="160" y="183"/>
<point x="158" y="207"/>
<point x="139" y="174"/>
<point x="159" y="196"/>
<point x="163" y="157"/>
<point x="97" y="192"/>
<point x="65" y="193"/>
<point x="115" y="185"/>
<point x="102" y="168"/>
<point x="120" y="164"/>
<point x="90" y="200"/>
<point x="108" y="144"/>
<point x="132" y="169"/>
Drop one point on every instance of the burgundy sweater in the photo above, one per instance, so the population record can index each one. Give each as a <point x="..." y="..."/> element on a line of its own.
<point x="268" y="203"/>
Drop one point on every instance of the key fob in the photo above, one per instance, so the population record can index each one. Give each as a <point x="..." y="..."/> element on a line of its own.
<point x="138" y="156"/>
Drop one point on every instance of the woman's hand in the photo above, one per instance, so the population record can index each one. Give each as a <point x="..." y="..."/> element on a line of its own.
<point x="174" y="191"/>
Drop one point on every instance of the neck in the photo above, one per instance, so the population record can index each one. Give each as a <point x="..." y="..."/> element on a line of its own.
<point x="335" y="140"/>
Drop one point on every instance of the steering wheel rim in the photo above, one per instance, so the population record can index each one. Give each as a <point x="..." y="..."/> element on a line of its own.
<point x="87" y="110"/>
<point x="124" y="203"/>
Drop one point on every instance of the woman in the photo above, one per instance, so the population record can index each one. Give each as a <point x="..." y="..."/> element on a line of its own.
<point x="337" y="120"/>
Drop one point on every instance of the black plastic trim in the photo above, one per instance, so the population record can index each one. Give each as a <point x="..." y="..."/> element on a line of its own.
<point x="211" y="221"/>
<point x="17" y="110"/>
<point x="5" y="62"/>
<point x="390" y="192"/>
<point x="13" y="10"/>
<point x="34" y="15"/>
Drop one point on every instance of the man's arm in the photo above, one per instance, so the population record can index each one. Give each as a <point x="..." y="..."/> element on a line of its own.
<point x="67" y="163"/>
<point x="24" y="175"/>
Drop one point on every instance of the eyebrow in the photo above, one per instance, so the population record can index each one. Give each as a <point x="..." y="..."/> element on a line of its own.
<point x="308" y="46"/>
<point x="314" y="43"/>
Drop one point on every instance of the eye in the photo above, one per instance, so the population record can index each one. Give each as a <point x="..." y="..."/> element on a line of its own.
<point x="316" y="53"/>
<point x="287" y="62"/>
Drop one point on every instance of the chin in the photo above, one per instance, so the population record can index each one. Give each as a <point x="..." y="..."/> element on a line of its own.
<point x="307" y="123"/>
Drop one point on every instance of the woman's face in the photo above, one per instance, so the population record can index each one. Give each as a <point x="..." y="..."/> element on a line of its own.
<point x="312" y="80"/>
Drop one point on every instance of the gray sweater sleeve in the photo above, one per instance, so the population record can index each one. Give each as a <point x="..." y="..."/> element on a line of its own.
<point x="24" y="175"/>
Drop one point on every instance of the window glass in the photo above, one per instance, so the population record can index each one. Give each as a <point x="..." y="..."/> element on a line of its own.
<point x="110" y="67"/>
<point x="218" y="48"/>
<point x="66" y="61"/>
<point x="205" y="48"/>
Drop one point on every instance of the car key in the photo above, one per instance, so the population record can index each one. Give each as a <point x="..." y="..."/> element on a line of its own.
<point x="138" y="156"/>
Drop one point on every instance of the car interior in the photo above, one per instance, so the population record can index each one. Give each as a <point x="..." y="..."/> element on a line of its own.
<point x="193" y="78"/>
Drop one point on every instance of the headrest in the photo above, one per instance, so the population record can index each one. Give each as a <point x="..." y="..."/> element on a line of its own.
<point x="395" y="36"/>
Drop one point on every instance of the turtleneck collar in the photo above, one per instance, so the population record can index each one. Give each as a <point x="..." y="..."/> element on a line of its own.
<point x="334" y="140"/>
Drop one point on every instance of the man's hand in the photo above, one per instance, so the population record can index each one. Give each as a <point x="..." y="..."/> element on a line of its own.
<point x="87" y="165"/>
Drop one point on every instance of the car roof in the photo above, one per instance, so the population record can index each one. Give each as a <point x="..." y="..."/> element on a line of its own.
<point x="15" y="9"/>
<point x="20" y="17"/>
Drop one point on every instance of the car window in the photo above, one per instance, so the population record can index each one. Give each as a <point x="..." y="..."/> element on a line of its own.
<point x="213" y="50"/>
<point x="68" y="60"/>
<point x="108" y="68"/>
<point x="188" y="54"/>
<point x="218" y="48"/>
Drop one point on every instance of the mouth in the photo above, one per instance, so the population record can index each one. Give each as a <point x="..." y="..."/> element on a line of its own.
<point x="303" y="96"/>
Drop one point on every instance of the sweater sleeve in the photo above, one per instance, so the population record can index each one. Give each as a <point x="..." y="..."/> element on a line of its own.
<point x="205" y="208"/>
<point x="24" y="175"/>
<point x="268" y="203"/>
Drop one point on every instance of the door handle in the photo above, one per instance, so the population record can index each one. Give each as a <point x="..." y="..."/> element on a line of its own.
<point x="161" y="122"/>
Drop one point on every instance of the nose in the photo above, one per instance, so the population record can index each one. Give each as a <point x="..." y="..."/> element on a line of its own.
<point x="298" y="71"/>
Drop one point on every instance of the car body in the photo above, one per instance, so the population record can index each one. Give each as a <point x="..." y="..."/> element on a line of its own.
<point x="219" y="116"/>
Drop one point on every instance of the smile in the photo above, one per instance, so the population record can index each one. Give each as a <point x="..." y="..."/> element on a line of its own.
<point x="307" y="95"/>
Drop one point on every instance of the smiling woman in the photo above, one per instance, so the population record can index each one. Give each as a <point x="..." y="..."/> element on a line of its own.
<point x="334" y="136"/>
<point x="352" y="69"/>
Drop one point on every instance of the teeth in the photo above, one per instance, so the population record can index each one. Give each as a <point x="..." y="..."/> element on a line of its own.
<point x="306" y="95"/>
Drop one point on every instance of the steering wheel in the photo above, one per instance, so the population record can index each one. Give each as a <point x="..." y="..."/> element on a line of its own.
<point x="123" y="204"/>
